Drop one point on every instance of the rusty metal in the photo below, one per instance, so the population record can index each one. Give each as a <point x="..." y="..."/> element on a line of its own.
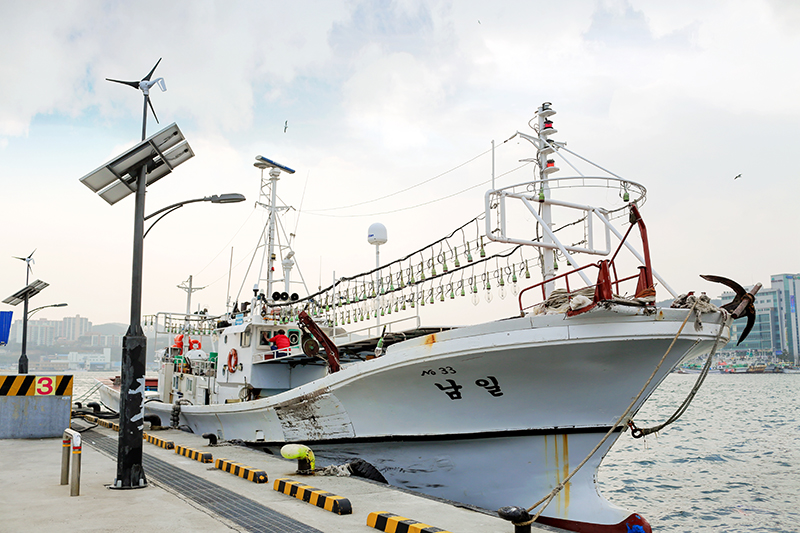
<point x="742" y="304"/>
<point x="330" y="347"/>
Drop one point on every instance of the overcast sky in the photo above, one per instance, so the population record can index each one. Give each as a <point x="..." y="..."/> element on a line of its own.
<point x="379" y="96"/>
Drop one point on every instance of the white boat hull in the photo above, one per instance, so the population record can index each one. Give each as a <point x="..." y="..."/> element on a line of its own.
<point x="490" y="415"/>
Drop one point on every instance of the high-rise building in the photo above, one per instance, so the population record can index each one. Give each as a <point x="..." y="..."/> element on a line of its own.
<point x="776" y="330"/>
<point x="41" y="332"/>
<point x="73" y="327"/>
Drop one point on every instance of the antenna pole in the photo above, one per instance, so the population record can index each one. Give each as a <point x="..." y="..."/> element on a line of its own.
<point x="548" y="255"/>
<point x="274" y="176"/>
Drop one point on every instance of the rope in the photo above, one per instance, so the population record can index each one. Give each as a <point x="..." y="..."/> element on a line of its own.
<point x="547" y="499"/>
<point x="638" y="433"/>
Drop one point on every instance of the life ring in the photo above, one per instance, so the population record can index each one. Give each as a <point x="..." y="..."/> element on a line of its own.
<point x="178" y="341"/>
<point x="194" y="344"/>
<point x="233" y="360"/>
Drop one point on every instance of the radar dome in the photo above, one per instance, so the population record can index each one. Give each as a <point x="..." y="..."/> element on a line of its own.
<point x="377" y="234"/>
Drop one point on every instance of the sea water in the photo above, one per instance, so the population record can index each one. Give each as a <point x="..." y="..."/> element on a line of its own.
<point x="730" y="464"/>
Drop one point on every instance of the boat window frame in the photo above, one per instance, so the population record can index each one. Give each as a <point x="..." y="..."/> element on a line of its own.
<point x="263" y="340"/>
<point x="245" y="337"/>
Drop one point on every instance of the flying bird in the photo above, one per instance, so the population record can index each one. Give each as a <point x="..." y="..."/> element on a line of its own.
<point x="737" y="176"/>
<point x="285" y="126"/>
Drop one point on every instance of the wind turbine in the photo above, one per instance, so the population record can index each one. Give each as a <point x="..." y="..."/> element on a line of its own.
<point x="144" y="85"/>
<point x="29" y="261"/>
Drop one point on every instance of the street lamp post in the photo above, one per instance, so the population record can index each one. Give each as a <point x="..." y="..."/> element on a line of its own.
<point x="45" y="307"/>
<point x="230" y="198"/>
<point x="23" y="358"/>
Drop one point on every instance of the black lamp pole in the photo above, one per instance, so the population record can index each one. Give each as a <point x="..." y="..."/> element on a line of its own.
<point x="130" y="472"/>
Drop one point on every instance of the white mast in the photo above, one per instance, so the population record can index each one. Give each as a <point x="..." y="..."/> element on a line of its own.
<point x="546" y="167"/>
<point x="269" y="190"/>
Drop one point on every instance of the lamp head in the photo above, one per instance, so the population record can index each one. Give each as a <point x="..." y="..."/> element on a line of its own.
<point x="230" y="198"/>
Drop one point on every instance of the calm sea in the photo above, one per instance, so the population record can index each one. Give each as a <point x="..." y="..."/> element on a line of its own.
<point x="731" y="464"/>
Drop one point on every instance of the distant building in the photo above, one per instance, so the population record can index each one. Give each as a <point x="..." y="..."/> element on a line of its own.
<point x="41" y="332"/>
<point x="45" y="332"/>
<point x="776" y="330"/>
<point x="90" y="361"/>
<point x="74" y="327"/>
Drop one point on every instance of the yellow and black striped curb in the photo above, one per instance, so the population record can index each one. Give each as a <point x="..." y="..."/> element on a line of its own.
<point x="246" y="472"/>
<point x="320" y="498"/>
<point x="391" y="523"/>
<point x="203" y="457"/>
<point x="27" y="385"/>
<point x="166" y="444"/>
<point x="101" y="422"/>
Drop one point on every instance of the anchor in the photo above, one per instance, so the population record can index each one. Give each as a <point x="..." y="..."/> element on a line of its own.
<point x="742" y="304"/>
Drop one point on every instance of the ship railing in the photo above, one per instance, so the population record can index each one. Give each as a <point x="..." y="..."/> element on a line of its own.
<point x="605" y="286"/>
<point x="270" y="355"/>
<point x="375" y="331"/>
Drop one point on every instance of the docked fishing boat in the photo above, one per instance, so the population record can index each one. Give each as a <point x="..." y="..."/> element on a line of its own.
<point x="495" y="414"/>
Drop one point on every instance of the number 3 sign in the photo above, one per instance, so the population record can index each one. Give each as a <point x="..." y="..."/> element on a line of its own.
<point x="45" y="386"/>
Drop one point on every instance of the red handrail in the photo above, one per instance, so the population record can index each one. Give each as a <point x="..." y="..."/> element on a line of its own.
<point x="605" y="267"/>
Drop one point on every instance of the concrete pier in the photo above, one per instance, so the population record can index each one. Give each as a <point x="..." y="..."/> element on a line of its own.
<point x="189" y="494"/>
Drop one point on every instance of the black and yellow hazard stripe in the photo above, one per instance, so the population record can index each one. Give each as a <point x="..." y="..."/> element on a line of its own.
<point x="246" y="472"/>
<point x="166" y="444"/>
<point x="203" y="457"/>
<point x="320" y="498"/>
<point x="392" y="523"/>
<point x="101" y="422"/>
<point x="28" y="385"/>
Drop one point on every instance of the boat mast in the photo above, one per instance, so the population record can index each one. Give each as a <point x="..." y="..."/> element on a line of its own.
<point x="274" y="176"/>
<point x="272" y="206"/>
<point x="546" y="167"/>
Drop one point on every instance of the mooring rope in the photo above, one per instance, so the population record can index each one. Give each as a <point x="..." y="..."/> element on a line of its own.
<point x="638" y="433"/>
<point x="547" y="499"/>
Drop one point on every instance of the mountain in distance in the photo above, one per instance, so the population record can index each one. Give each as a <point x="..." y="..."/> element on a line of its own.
<point x="112" y="328"/>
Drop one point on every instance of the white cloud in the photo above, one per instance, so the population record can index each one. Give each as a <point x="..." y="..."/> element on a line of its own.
<point x="381" y="95"/>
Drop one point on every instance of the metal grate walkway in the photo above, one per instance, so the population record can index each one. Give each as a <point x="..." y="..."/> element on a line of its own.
<point x="249" y="514"/>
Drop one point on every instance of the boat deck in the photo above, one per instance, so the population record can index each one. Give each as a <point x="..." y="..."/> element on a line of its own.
<point x="197" y="495"/>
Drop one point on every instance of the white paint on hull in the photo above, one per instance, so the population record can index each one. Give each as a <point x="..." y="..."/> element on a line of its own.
<point x="434" y="413"/>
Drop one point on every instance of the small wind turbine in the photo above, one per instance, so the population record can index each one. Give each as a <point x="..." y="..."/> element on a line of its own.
<point x="144" y="85"/>
<point x="29" y="261"/>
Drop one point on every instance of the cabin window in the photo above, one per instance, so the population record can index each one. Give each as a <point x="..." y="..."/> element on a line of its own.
<point x="246" y="337"/>
<point x="174" y="382"/>
<point x="189" y="385"/>
<point x="264" y="337"/>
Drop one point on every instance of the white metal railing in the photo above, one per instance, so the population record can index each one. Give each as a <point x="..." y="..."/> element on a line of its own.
<point x="71" y="439"/>
<point x="373" y="331"/>
<point x="259" y="357"/>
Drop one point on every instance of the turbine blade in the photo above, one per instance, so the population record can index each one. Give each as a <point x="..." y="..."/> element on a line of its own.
<point x="147" y="78"/>
<point x="153" y="110"/>
<point x="20" y="258"/>
<point x="134" y="84"/>
<point x="33" y="252"/>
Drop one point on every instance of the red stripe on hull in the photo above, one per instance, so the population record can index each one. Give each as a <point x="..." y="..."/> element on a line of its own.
<point x="633" y="524"/>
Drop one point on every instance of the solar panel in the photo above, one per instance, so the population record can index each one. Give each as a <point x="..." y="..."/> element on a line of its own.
<point x="31" y="290"/>
<point x="161" y="152"/>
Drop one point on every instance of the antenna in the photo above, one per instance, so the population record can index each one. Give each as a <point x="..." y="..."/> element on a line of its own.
<point x="144" y="85"/>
